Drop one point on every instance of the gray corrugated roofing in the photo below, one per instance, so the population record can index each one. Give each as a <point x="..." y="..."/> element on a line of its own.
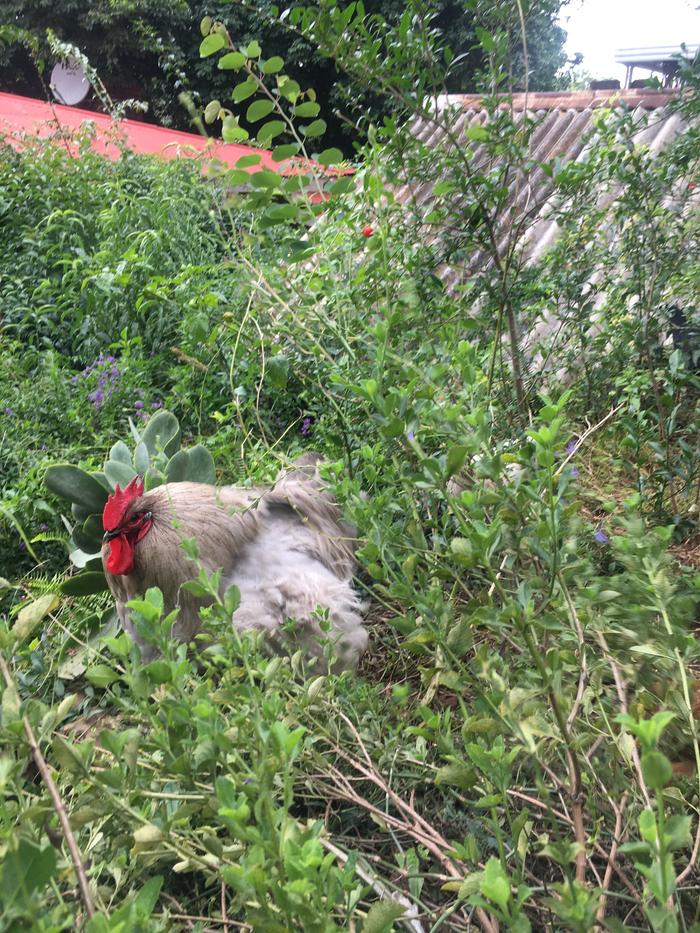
<point x="564" y="126"/>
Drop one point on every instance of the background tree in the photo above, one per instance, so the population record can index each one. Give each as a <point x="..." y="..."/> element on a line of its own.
<point x="150" y="50"/>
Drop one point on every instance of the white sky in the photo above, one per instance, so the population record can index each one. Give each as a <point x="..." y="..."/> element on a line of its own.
<point x="597" y="27"/>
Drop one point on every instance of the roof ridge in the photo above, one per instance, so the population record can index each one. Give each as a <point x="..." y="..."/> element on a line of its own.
<point x="647" y="98"/>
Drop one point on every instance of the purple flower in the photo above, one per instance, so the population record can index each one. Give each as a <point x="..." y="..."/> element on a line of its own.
<point x="22" y="546"/>
<point x="9" y="412"/>
<point x="138" y="405"/>
<point x="600" y="536"/>
<point x="571" y="446"/>
<point x="43" y="527"/>
<point x="305" y="429"/>
<point x="574" y="472"/>
<point x="156" y="404"/>
<point x="411" y="435"/>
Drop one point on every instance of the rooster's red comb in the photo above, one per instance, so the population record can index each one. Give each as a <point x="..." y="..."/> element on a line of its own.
<point x="117" y="504"/>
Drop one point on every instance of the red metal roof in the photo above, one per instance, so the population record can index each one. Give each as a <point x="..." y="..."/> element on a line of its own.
<point x="20" y="116"/>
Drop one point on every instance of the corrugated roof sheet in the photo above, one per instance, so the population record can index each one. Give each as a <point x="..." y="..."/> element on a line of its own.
<point x="564" y="125"/>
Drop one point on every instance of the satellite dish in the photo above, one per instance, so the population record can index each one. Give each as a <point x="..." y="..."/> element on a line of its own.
<point x="68" y="82"/>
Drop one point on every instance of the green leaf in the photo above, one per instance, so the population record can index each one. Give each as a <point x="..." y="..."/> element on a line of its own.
<point x="317" y="128"/>
<point x="147" y="898"/>
<point x="273" y="65"/>
<point x="494" y="883"/>
<point x="486" y="39"/>
<point x="67" y="756"/>
<point x="74" y="484"/>
<point x="677" y="831"/>
<point x="247" y="161"/>
<point x="470" y="885"/>
<point x="456" y="456"/>
<point x="81" y="514"/>
<point x="647" y="827"/>
<point x="269" y="130"/>
<point x="329" y="157"/>
<point x="142" y="460"/>
<point x="381" y="915"/>
<point x="101" y="675"/>
<point x="278" y="370"/>
<point x="178" y="467"/>
<point x="657" y="769"/>
<point x="30" y="616"/>
<point x="25" y="869"/>
<point x="212" y="111"/>
<point x="457" y="775"/>
<point x="158" y="672"/>
<point x="232" y="132"/>
<point x="477" y="133"/>
<point x="253" y="49"/>
<point x="200" y="467"/>
<point x="244" y="90"/>
<point x="117" y="472"/>
<point x="265" y="178"/>
<point x="280" y="213"/>
<point x="308" y="109"/>
<point x="259" y="109"/>
<point x="341" y="186"/>
<point x="232" y="61"/>
<point x="211" y="43"/>
<point x="232" y="599"/>
<point x="205" y="25"/>
<point x="285" y="151"/>
<point x="120" y="452"/>
<point x="162" y="433"/>
<point x="288" y="88"/>
<point x="85" y="584"/>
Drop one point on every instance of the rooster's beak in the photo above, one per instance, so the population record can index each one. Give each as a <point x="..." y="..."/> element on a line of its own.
<point x="108" y="535"/>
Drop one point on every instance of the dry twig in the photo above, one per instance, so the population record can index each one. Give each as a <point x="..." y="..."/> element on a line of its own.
<point x="610" y="867"/>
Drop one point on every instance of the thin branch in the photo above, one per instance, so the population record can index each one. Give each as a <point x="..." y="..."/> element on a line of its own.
<point x="621" y="687"/>
<point x="586" y="434"/>
<point x="610" y="867"/>
<point x="583" y="676"/>
<point x="224" y="916"/>
<point x="410" y="918"/>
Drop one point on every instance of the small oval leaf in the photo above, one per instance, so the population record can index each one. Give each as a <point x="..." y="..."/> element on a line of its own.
<point x="258" y="110"/>
<point x="232" y="61"/>
<point x="211" y="43"/>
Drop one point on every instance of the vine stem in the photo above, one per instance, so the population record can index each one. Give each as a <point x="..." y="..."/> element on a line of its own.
<point x="58" y="806"/>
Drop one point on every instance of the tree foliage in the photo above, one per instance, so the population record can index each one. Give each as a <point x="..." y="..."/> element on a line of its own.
<point x="150" y="50"/>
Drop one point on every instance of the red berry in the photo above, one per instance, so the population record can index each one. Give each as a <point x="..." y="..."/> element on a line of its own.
<point x="368" y="231"/>
<point x="691" y="185"/>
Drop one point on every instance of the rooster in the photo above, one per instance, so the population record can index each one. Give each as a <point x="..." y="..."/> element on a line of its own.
<point x="286" y="548"/>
